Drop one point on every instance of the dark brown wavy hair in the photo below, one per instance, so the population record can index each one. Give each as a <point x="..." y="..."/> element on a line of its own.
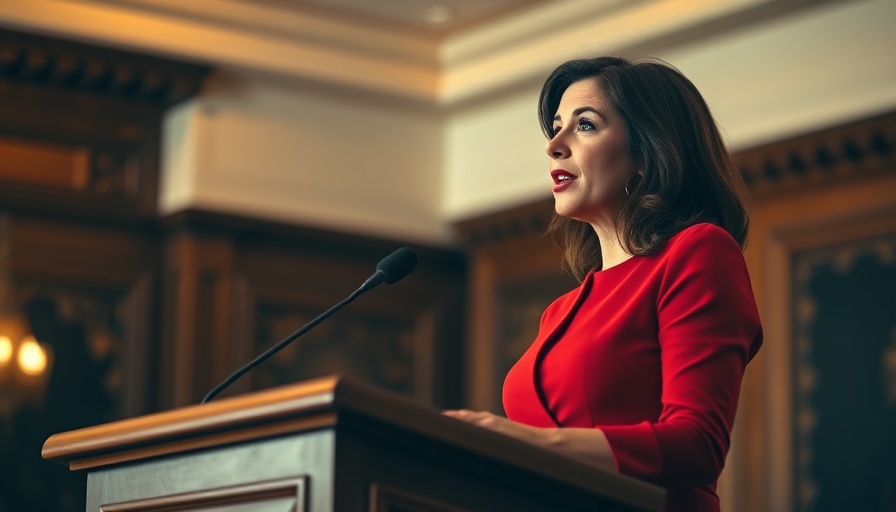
<point x="688" y="176"/>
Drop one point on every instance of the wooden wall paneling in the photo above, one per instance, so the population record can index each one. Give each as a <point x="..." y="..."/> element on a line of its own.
<point x="74" y="250"/>
<point x="844" y="376"/>
<point x="274" y="278"/>
<point x="139" y="317"/>
<point x="389" y="347"/>
<point x="80" y="127"/>
<point x="116" y="262"/>
<point x="403" y="337"/>
<point x="87" y="290"/>
<point x="780" y="230"/>
<point x="242" y="324"/>
<point x="844" y="199"/>
<point x="199" y="272"/>
<point x="439" y="296"/>
<point x="61" y="148"/>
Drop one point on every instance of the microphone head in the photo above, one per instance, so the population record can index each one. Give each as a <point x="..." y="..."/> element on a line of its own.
<point x="397" y="265"/>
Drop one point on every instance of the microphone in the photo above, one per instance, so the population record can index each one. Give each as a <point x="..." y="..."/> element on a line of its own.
<point x="389" y="270"/>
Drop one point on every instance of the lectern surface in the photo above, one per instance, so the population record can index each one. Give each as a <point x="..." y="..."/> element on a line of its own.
<point x="330" y="444"/>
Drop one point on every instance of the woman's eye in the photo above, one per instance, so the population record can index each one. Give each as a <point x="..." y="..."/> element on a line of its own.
<point x="555" y="130"/>
<point x="585" y="125"/>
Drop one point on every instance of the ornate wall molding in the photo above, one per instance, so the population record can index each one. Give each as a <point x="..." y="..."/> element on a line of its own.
<point x="80" y="125"/>
<point x="821" y="158"/>
<point x="37" y="61"/>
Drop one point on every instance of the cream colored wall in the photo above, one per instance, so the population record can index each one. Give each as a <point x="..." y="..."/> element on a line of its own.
<point x="798" y="74"/>
<point x="494" y="156"/>
<point x="275" y="149"/>
<point x="181" y="135"/>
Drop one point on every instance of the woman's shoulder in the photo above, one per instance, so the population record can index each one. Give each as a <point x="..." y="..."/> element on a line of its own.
<point x="701" y="235"/>
<point x="704" y="245"/>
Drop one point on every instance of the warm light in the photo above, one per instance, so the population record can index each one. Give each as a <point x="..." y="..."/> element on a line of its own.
<point x="32" y="358"/>
<point x="439" y="14"/>
<point x="5" y="349"/>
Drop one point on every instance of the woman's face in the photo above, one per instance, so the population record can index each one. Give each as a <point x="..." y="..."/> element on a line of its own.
<point x="590" y="159"/>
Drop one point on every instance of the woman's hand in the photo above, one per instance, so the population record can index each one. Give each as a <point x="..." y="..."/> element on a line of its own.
<point x="587" y="445"/>
<point x="502" y="425"/>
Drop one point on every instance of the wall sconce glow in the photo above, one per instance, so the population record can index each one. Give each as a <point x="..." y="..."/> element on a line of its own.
<point x="5" y="349"/>
<point x="32" y="358"/>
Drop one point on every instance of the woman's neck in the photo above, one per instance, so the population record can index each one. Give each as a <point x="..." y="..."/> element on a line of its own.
<point x="611" y="249"/>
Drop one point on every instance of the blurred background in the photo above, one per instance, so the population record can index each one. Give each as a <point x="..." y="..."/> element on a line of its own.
<point x="183" y="184"/>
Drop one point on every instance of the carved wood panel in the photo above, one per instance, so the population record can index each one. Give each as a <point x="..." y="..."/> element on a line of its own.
<point x="844" y="376"/>
<point x="286" y="495"/>
<point x="384" y="498"/>
<point x="775" y="441"/>
<point x="242" y="286"/>
<point x="379" y="349"/>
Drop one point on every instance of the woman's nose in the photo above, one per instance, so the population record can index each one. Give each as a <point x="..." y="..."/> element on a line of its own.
<point x="556" y="149"/>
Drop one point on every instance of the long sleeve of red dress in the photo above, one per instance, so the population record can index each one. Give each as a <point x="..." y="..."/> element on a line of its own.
<point x="652" y="352"/>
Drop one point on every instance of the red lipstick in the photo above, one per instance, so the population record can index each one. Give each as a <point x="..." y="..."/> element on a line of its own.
<point x="562" y="179"/>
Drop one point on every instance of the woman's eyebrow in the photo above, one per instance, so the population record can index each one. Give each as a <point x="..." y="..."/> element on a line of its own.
<point x="579" y="111"/>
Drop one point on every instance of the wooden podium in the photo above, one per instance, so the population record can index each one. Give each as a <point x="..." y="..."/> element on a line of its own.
<point x="325" y="445"/>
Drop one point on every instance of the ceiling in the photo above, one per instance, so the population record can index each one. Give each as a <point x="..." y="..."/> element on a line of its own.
<point x="388" y="46"/>
<point x="436" y="16"/>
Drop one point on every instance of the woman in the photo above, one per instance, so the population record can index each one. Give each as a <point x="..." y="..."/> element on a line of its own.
<point x="638" y="370"/>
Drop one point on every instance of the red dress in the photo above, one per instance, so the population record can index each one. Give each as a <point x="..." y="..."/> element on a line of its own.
<point x="652" y="352"/>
